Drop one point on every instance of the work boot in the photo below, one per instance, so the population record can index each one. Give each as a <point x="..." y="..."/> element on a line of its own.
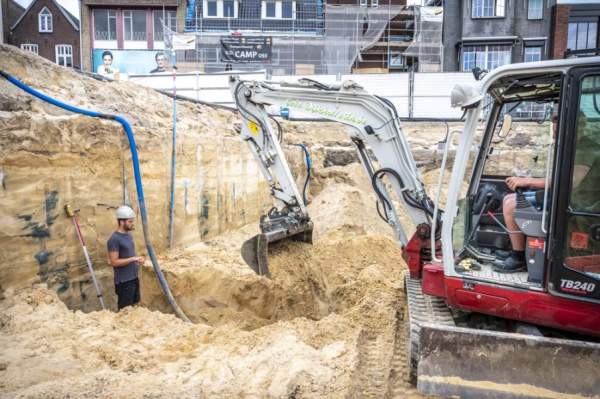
<point x="502" y="254"/>
<point x="510" y="265"/>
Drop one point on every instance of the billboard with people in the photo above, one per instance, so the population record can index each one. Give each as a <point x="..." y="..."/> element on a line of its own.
<point x="108" y="62"/>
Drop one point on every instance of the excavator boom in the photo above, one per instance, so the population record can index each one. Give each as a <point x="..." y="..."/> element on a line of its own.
<point x="372" y="123"/>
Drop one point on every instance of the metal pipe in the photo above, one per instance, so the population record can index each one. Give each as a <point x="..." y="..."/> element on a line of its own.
<point x="71" y="212"/>
<point x="174" y="153"/>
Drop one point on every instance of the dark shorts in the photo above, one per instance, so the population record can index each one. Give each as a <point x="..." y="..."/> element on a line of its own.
<point x="128" y="293"/>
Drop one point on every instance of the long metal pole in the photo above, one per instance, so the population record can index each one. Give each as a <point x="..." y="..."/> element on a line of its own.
<point x="173" y="156"/>
<point x="87" y="258"/>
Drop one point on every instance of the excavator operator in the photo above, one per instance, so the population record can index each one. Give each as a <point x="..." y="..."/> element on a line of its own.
<point x="587" y="153"/>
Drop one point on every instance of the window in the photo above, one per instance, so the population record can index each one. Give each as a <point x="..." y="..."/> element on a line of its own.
<point x="487" y="8"/>
<point x="363" y="3"/>
<point x="134" y="25"/>
<point x="396" y="60"/>
<point x="374" y="3"/>
<point x="533" y="54"/>
<point x="582" y="250"/>
<point x="582" y="35"/>
<point x="64" y="55"/>
<point x="105" y="24"/>
<point x="220" y="9"/>
<point x="534" y="10"/>
<point x="45" y="20"/>
<point x="279" y="10"/>
<point x="169" y="18"/>
<point x="485" y="56"/>
<point x="30" y="47"/>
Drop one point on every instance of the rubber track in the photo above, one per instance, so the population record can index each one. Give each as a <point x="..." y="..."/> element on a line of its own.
<point x="421" y="309"/>
<point x="398" y="384"/>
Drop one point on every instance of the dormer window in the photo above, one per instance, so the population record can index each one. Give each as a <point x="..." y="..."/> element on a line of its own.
<point x="278" y="10"/>
<point x="220" y="9"/>
<point x="45" y="20"/>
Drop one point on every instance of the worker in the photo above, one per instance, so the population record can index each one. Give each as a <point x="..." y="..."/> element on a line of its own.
<point x="121" y="252"/>
<point x="586" y="157"/>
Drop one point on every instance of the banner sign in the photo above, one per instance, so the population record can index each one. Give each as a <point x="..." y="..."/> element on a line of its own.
<point x="432" y="14"/>
<point x="248" y="49"/>
<point x="126" y="61"/>
<point x="184" y="42"/>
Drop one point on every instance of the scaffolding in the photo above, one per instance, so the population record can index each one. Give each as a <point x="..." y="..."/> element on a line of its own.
<point x="319" y="39"/>
<point x="427" y="46"/>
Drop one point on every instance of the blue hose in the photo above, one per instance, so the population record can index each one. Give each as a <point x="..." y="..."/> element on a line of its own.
<point x="308" y="168"/>
<point x="138" y="179"/>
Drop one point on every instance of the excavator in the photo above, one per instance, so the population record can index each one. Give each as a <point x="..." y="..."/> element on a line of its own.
<point x="472" y="330"/>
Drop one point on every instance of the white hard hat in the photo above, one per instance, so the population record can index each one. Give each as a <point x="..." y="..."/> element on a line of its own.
<point x="125" y="212"/>
<point x="465" y="96"/>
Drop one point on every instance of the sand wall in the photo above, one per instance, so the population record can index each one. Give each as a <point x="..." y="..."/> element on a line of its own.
<point x="51" y="157"/>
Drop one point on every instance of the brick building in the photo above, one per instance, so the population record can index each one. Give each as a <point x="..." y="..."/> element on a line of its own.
<point x="47" y="29"/>
<point x="11" y="12"/>
<point x="575" y="27"/>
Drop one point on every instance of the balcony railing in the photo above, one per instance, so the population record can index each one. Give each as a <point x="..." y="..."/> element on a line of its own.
<point x="105" y="35"/>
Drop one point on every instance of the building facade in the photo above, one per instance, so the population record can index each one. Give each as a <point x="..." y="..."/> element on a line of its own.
<point x="491" y="33"/>
<point x="575" y="27"/>
<point x="132" y="31"/>
<point x="47" y="29"/>
<point x="11" y="12"/>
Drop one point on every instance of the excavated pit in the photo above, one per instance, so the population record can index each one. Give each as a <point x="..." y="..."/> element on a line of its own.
<point x="329" y="324"/>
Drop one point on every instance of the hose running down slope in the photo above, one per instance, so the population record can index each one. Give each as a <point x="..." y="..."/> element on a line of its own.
<point x="138" y="179"/>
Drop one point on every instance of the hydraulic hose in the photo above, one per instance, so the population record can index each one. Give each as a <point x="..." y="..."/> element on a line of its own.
<point x="136" y="169"/>
<point x="308" y="169"/>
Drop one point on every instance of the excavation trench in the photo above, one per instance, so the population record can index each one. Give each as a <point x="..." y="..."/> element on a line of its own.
<point x="327" y="325"/>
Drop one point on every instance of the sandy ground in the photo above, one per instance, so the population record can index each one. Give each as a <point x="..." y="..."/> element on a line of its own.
<point x="329" y="324"/>
<point x="324" y="326"/>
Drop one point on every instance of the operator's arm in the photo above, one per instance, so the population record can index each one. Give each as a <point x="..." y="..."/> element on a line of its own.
<point x="517" y="181"/>
<point x="116" y="262"/>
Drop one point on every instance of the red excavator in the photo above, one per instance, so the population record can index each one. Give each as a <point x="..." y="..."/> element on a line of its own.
<point x="477" y="325"/>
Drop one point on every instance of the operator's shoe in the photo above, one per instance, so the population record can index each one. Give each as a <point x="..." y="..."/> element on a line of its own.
<point x="510" y="265"/>
<point x="502" y="254"/>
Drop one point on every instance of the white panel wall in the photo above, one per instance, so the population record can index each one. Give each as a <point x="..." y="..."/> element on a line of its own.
<point x="432" y="94"/>
<point x="431" y="98"/>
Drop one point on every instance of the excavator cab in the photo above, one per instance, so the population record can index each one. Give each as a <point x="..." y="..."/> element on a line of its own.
<point x="558" y="219"/>
<point x="508" y="321"/>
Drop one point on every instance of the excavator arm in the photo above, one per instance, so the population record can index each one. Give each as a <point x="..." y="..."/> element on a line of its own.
<point x="372" y="122"/>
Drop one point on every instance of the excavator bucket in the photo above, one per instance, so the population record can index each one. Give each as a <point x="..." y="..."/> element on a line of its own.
<point x="254" y="250"/>
<point x="468" y="363"/>
<point x="254" y="253"/>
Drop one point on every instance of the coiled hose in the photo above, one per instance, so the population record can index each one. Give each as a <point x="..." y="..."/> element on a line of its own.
<point x="138" y="179"/>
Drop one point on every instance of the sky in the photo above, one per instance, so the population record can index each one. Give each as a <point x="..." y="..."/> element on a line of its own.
<point x="71" y="6"/>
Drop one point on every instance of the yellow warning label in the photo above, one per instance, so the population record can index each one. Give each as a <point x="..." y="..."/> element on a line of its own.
<point x="253" y="127"/>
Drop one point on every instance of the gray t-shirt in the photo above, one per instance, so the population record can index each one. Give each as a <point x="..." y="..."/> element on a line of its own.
<point x="123" y="243"/>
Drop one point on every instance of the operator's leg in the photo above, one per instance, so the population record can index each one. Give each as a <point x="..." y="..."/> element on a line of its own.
<point x="509" y="205"/>
<point x="516" y="261"/>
